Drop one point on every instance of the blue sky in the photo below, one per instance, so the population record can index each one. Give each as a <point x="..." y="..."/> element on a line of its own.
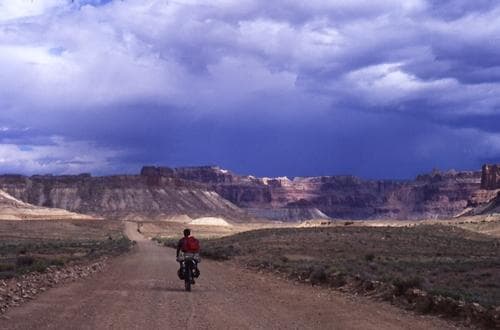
<point x="378" y="89"/>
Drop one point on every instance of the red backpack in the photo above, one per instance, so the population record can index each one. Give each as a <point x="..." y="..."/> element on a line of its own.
<point x="191" y="245"/>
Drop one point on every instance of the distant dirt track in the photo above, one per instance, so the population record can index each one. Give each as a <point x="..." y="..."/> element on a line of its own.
<point x="141" y="290"/>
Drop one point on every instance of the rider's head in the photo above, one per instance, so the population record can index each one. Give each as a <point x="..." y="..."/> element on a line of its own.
<point x="187" y="232"/>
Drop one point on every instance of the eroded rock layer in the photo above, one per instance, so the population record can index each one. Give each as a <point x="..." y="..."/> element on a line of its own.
<point x="490" y="177"/>
<point x="205" y="191"/>
<point x="14" y="209"/>
<point x="435" y="195"/>
<point x="122" y="196"/>
<point x="487" y="199"/>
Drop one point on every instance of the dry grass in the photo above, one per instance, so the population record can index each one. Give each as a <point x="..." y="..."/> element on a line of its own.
<point x="27" y="246"/>
<point x="439" y="259"/>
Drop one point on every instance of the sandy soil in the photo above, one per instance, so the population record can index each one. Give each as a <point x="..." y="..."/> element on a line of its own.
<point x="484" y="224"/>
<point x="141" y="290"/>
<point x="210" y="221"/>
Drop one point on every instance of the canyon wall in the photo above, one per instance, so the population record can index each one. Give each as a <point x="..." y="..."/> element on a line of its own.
<point x="435" y="195"/>
<point x="121" y="196"/>
<point x="209" y="190"/>
<point x="487" y="199"/>
<point x="490" y="177"/>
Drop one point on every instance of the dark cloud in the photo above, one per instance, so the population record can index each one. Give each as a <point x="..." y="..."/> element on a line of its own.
<point x="455" y="9"/>
<point x="373" y="88"/>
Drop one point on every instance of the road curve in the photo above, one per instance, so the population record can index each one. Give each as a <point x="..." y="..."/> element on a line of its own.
<point x="140" y="290"/>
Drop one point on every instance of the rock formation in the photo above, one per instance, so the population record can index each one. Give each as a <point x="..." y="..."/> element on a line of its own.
<point x="435" y="195"/>
<point x="148" y="196"/>
<point x="14" y="209"/>
<point x="490" y="177"/>
<point x="487" y="199"/>
<point x="159" y="192"/>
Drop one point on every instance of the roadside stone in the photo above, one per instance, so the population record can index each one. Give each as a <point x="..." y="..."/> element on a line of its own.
<point x="15" y="291"/>
<point x="477" y="309"/>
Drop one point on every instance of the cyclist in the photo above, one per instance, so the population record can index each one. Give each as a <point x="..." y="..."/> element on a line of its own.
<point x="189" y="246"/>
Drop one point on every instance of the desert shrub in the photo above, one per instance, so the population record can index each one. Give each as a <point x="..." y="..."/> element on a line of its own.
<point x="24" y="261"/>
<point x="369" y="257"/>
<point x="403" y="284"/>
<point x="115" y="246"/>
<point x="6" y="267"/>
<point x="465" y="295"/>
<point x="39" y="266"/>
<point x="57" y="262"/>
<point x="122" y="244"/>
<point x="449" y="293"/>
<point x="336" y="278"/>
<point x="216" y="253"/>
<point x="220" y="252"/>
<point x="166" y="241"/>
<point x="318" y="275"/>
<point x="254" y="263"/>
<point x="31" y="264"/>
<point x="348" y="223"/>
<point x="7" y="270"/>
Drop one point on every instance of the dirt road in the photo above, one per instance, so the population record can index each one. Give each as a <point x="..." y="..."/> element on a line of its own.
<point x="141" y="290"/>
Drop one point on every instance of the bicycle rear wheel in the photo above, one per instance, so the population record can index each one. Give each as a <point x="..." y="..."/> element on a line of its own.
<point x="188" y="277"/>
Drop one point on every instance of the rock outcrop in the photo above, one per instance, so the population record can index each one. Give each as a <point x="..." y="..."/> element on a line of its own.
<point x="211" y="191"/>
<point x="489" y="203"/>
<point x="14" y="209"/>
<point x="487" y="199"/>
<point x="435" y="195"/>
<point x="148" y="196"/>
<point x="490" y="177"/>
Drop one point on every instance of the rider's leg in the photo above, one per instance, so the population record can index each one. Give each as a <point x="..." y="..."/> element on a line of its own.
<point x="181" y="269"/>
<point x="197" y="270"/>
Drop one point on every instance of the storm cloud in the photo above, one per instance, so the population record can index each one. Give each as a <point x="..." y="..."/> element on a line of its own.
<point x="383" y="89"/>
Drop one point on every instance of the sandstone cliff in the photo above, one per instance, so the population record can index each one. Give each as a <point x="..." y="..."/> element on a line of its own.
<point x="487" y="199"/>
<point x="14" y="209"/>
<point x="435" y="195"/>
<point x="160" y="192"/>
<point x="123" y="196"/>
<point x="490" y="177"/>
<point x="489" y="207"/>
